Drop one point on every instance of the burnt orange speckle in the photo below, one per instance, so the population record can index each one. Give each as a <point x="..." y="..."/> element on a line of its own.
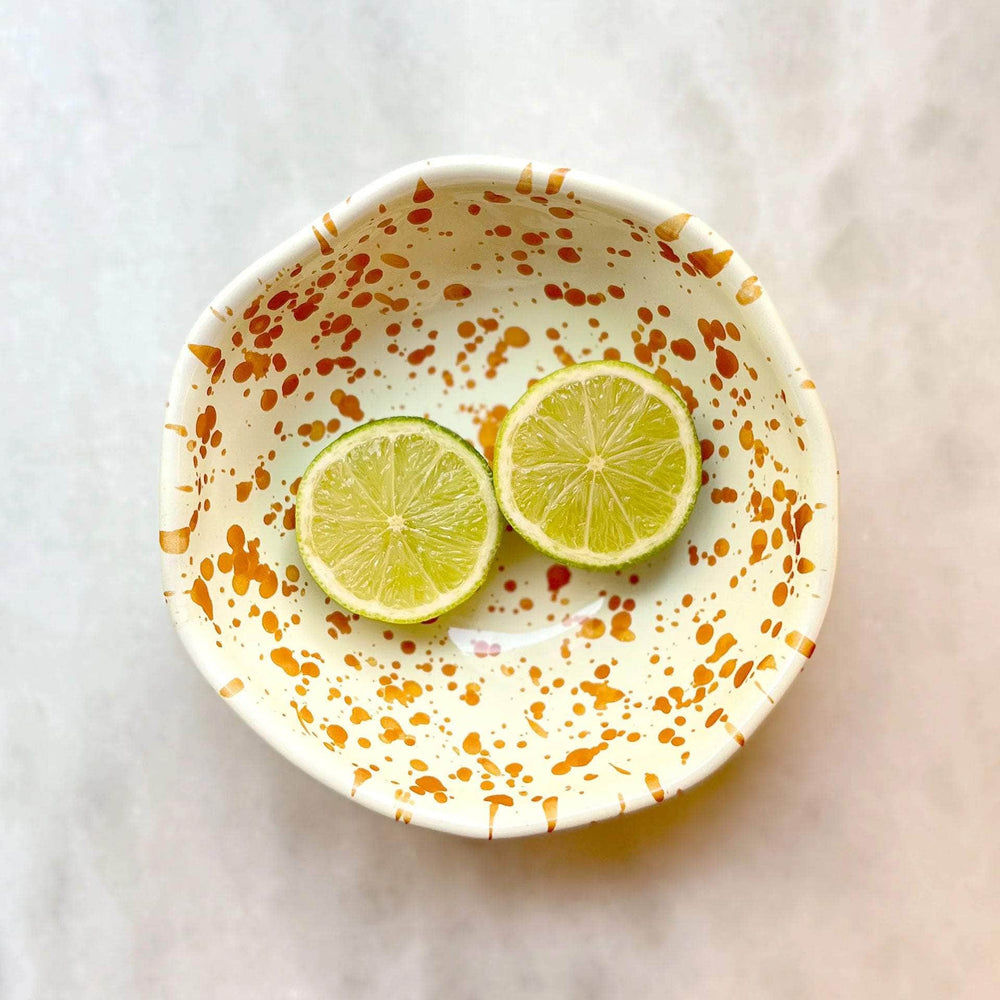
<point x="175" y="542"/>
<point x="724" y="643"/>
<point x="349" y="406"/>
<point x="361" y="775"/>
<point x="555" y="180"/>
<point x="749" y="291"/>
<point x="233" y="687"/>
<point x="654" y="786"/>
<point x="603" y="694"/>
<point x="337" y="734"/>
<point x="422" y="192"/>
<point x="708" y="262"/>
<point x="726" y="363"/>
<point x="592" y="628"/>
<point x="488" y="429"/>
<point x="419" y="216"/>
<point x="578" y="758"/>
<point x="569" y="255"/>
<point x="803" y="515"/>
<point x="524" y="181"/>
<point x="282" y="657"/>
<point x="780" y="594"/>
<point x="684" y="391"/>
<point x="683" y="349"/>
<point x="550" y="807"/>
<point x="208" y="356"/>
<point x="268" y="399"/>
<point x="621" y="627"/>
<point x="704" y="634"/>
<point x="456" y="292"/>
<point x="515" y="336"/>
<point x="200" y="596"/>
<point x="670" y="229"/>
<point x="801" y="643"/>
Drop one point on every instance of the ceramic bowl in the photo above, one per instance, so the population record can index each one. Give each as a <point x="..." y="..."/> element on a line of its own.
<point x="554" y="697"/>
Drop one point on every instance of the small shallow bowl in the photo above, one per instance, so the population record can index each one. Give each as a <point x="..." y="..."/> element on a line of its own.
<point x="554" y="697"/>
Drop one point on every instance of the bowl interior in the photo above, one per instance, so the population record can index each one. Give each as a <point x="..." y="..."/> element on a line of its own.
<point x="554" y="696"/>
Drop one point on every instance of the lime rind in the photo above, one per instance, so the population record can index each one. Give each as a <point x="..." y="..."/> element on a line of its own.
<point x="348" y="545"/>
<point x="553" y="491"/>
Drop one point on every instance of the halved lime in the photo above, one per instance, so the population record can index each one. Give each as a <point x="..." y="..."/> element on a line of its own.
<point x="397" y="521"/>
<point x="598" y="465"/>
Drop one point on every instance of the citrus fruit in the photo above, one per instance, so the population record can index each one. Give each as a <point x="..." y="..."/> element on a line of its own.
<point x="396" y="520"/>
<point x="597" y="465"/>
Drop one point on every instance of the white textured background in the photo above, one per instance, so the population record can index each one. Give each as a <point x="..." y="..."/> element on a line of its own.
<point x="152" y="846"/>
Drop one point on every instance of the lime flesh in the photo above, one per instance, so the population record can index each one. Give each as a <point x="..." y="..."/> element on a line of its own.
<point x="397" y="521"/>
<point x="598" y="465"/>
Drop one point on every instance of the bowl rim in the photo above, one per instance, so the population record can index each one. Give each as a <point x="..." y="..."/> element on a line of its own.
<point x="467" y="169"/>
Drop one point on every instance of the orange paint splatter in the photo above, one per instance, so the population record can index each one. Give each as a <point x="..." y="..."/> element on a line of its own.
<point x="726" y="363"/>
<point x="488" y="430"/>
<point x="550" y="806"/>
<point x="524" y="181"/>
<point x="472" y="744"/>
<point x="422" y="192"/>
<point x="592" y="628"/>
<point x="654" y="786"/>
<point x="361" y="775"/>
<point x="801" y="643"/>
<point x="495" y="802"/>
<point x="670" y="229"/>
<point x="555" y="180"/>
<point x="708" y="262"/>
<point x="349" y="406"/>
<point x="578" y="758"/>
<point x="208" y="356"/>
<point x="621" y="627"/>
<point x="602" y="694"/>
<point x="199" y="594"/>
<point x="749" y="291"/>
<point x="456" y="292"/>
<point x="683" y="349"/>
<point x="175" y="542"/>
<point x="338" y="735"/>
<point x="684" y="391"/>
<point x="233" y="687"/>
<point x="282" y="657"/>
<point x="722" y="646"/>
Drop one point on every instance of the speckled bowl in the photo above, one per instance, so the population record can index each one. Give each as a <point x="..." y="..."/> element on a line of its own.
<point x="554" y="697"/>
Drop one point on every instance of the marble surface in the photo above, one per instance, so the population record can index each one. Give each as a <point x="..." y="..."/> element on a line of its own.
<point x="152" y="846"/>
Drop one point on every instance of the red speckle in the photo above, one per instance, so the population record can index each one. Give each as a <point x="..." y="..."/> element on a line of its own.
<point x="557" y="577"/>
<point x="569" y="255"/>
<point x="553" y="292"/>
<point x="419" y="216"/>
<point x="510" y="586"/>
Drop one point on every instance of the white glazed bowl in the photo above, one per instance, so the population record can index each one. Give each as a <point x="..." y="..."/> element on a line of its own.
<point x="552" y="698"/>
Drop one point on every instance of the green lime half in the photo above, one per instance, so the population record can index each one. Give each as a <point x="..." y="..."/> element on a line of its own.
<point x="598" y="465"/>
<point x="397" y="521"/>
